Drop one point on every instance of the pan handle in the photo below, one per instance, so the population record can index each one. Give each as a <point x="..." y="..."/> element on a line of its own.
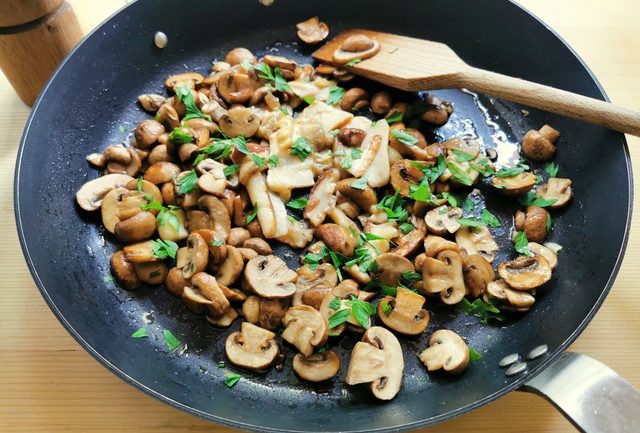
<point x="591" y="395"/>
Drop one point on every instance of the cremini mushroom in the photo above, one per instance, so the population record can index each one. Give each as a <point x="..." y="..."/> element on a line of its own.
<point x="364" y="198"/>
<point x="390" y="268"/>
<point x="251" y="309"/>
<point x="218" y="214"/>
<point x="253" y="347"/>
<point x="377" y="360"/>
<point x="117" y="153"/>
<point x="225" y="320"/>
<point x="269" y="277"/>
<point x="147" y="133"/>
<point x="518" y="184"/>
<point x="124" y="271"/>
<point x="196" y="255"/>
<point x="190" y="79"/>
<point x="272" y="312"/>
<point x="447" y="351"/>
<point x="322" y="197"/>
<point x="237" y="236"/>
<point x="443" y="275"/>
<point x="172" y="226"/>
<point x="477" y="240"/>
<point x="317" y="367"/>
<point x="320" y="279"/>
<point x="438" y="110"/>
<point x="557" y="189"/>
<point x="139" y="227"/>
<point x="468" y="145"/>
<point x="175" y="282"/>
<point x="167" y="116"/>
<point x="151" y="102"/>
<point x="91" y="194"/>
<point x="140" y="252"/>
<point x="231" y="269"/>
<point x="404" y="313"/>
<point x="525" y="273"/>
<point x="351" y="137"/>
<point x="477" y="272"/>
<point x="443" y="219"/>
<point x="161" y="172"/>
<point x="535" y="223"/>
<point x="258" y="245"/>
<point x="434" y="245"/>
<point x="336" y="238"/>
<point x="519" y="299"/>
<point x="409" y="243"/>
<point x="542" y="250"/>
<point x="305" y="328"/>
<point x="355" y="98"/>
<point x="312" y="30"/>
<point x="381" y="102"/>
<point x="239" y="121"/>
<point x="238" y="56"/>
<point x="540" y="145"/>
<point x="356" y="46"/>
<point x="403" y="175"/>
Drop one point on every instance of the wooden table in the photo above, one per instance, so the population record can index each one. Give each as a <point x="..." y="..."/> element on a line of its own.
<point x="48" y="383"/>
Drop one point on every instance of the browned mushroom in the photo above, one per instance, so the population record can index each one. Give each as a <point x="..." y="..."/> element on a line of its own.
<point x="355" y="98"/>
<point x="390" y="268"/>
<point x="540" y="145"/>
<point x="253" y="347"/>
<point x="518" y="184"/>
<point x="525" y="273"/>
<point x="444" y="275"/>
<point x="447" y="350"/>
<point x="403" y="175"/>
<point x="404" y="313"/>
<point x="477" y="240"/>
<point x="356" y="46"/>
<point x="305" y="328"/>
<point x="336" y="238"/>
<point x="312" y="30"/>
<point x="239" y="55"/>
<point x="317" y="367"/>
<point x="477" y="273"/>
<point x="443" y="219"/>
<point x="438" y="110"/>
<point x="190" y="79"/>
<point x="124" y="271"/>
<point x="381" y="102"/>
<point x="269" y="277"/>
<point x="434" y="245"/>
<point x="239" y="121"/>
<point x="535" y="223"/>
<point x="519" y="299"/>
<point x="147" y="133"/>
<point x="557" y="190"/>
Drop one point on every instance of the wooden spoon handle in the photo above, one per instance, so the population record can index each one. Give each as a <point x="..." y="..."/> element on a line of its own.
<point x="551" y="99"/>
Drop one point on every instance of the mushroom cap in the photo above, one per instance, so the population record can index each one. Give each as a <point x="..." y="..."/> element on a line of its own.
<point x="336" y="238"/>
<point x="324" y="276"/>
<point x="251" y="309"/>
<point x="525" y="273"/>
<point x="363" y="198"/>
<point x="269" y="277"/>
<point x="477" y="273"/>
<point x="378" y="360"/>
<point x="403" y="174"/>
<point x="253" y="347"/>
<point x="239" y="121"/>
<point x="225" y="320"/>
<point x="237" y="55"/>
<point x="305" y="328"/>
<point x="391" y="267"/>
<point x="537" y="147"/>
<point x="447" y="350"/>
<point x="546" y="252"/>
<point x="231" y="269"/>
<point x="558" y="189"/>
<point x="519" y="184"/>
<point x="317" y="367"/>
<point x="272" y="312"/>
<point x="478" y="240"/>
<point x="443" y="219"/>
<point x="207" y="286"/>
<point x="516" y="298"/>
<point x="218" y="214"/>
<point x="91" y="194"/>
<point x="407" y="315"/>
<point x="434" y="245"/>
<point x="139" y="227"/>
<point x="409" y="243"/>
<point x="312" y="30"/>
<point x="196" y="256"/>
<point x="341" y="55"/>
<point x="124" y="271"/>
<point x="444" y="275"/>
<point x="535" y="223"/>
<point x="175" y="282"/>
<point x="465" y="144"/>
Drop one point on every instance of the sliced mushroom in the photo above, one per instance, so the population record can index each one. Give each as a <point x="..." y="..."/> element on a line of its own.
<point x="190" y="79"/>
<point x="540" y="145"/>
<point x="364" y="198"/>
<point x="237" y="236"/>
<point x="322" y="197"/>
<point x="253" y="347"/>
<point x="357" y="46"/>
<point x="444" y="275"/>
<point x="137" y="228"/>
<point x="312" y="30"/>
<point x="558" y="189"/>
<point x="447" y="351"/>
<point x="409" y="243"/>
<point x="124" y="271"/>
<point x="391" y="267"/>
<point x="519" y="184"/>
<point x="251" y="309"/>
<point x="322" y="278"/>
<point x="171" y="229"/>
<point x="196" y="256"/>
<point x="161" y="172"/>
<point x="477" y="273"/>
<point x="525" y="273"/>
<point x="151" y="273"/>
<point x="518" y="299"/>
<point x="337" y="239"/>
<point x="147" y="133"/>
<point x="231" y="269"/>
<point x="225" y="320"/>
<point x="403" y="175"/>
<point x="269" y="277"/>
<point x="438" y="110"/>
<point x="468" y="145"/>
<point x="317" y="367"/>
<point x="151" y="102"/>
<point x="117" y="153"/>
<point x="305" y="328"/>
<point x="406" y="314"/>
<point x="434" y="245"/>
<point x="542" y="250"/>
<point x="217" y="247"/>
<point x="443" y="219"/>
<point x="239" y="121"/>
<point x="535" y="223"/>
<point x="110" y="208"/>
<point x="381" y="102"/>
<point x="167" y="116"/>
<point x="355" y="98"/>
<point x="477" y="240"/>
<point x="272" y="311"/>
<point x="351" y="137"/>
<point x="91" y="194"/>
<point x="140" y="252"/>
<point x="218" y="214"/>
<point x="378" y="360"/>
<point x="175" y="282"/>
<point x="238" y="56"/>
<point x="258" y="245"/>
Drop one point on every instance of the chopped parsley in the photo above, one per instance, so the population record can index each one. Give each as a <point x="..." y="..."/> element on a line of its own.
<point x="187" y="182"/>
<point x="230" y="170"/>
<point x="275" y="77"/>
<point x="163" y="249"/>
<point x="222" y="364"/>
<point x="301" y="148"/>
<point x="406" y="227"/>
<point x="468" y="205"/>
<point x="490" y="219"/>
<point x="411" y="276"/>
<point x="309" y="99"/>
<point x="482" y="167"/>
<point x="140" y="333"/>
<point x="521" y="243"/>
<point x="510" y="172"/>
<point x="361" y="311"/>
<point x="273" y="160"/>
<point x="241" y="145"/>
<point x="486" y="311"/>
<point x="252" y="215"/>
<point x="180" y="135"/>
<point x="107" y="278"/>
<point x="551" y="169"/>
<point x="421" y="192"/>
<point x="217" y="242"/>
<point x="348" y="159"/>
<point x="353" y="62"/>
<point x="474" y="356"/>
<point x="394" y="117"/>
<point x="191" y="109"/>
<point x="462" y="156"/>
<point x="387" y="309"/>
<point x="432" y="173"/>
<point x="335" y="95"/>
<point x="548" y="223"/>
<point x="530" y="199"/>
<point x="459" y="175"/>
<point x="404" y="137"/>
<point x="471" y="222"/>
<point x="170" y="340"/>
<point x="360" y="184"/>
<point x="220" y="148"/>
<point x="299" y="203"/>
<point x="230" y="379"/>
<point x="394" y="207"/>
<point x="338" y="318"/>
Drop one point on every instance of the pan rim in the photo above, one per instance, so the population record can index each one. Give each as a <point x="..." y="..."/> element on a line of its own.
<point x="514" y="385"/>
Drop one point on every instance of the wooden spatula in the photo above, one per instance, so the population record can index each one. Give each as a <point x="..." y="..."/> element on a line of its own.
<point x="415" y="64"/>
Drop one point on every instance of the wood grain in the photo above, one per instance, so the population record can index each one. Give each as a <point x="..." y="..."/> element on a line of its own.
<point x="48" y="384"/>
<point x="16" y="12"/>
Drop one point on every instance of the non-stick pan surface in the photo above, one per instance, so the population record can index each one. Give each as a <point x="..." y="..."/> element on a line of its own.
<point x="93" y="94"/>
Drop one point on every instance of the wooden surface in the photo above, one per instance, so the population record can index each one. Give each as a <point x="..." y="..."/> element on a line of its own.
<point x="49" y="384"/>
<point x="15" y="12"/>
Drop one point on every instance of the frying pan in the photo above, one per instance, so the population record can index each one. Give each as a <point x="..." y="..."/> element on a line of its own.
<point x="92" y="95"/>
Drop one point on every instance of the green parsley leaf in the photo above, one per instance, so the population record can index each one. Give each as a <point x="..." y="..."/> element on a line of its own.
<point x="154" y="274"/>
<point x="360" y="184"/>
<point x="387" y="308"/>
<point x="187" y="182"/>
<point x="163" y="249"/>
<point x="353" y="62"/>
<point x="462" y="156"/>
<point x="530" y="199"/>
<point x="180" y="135"/>
<point x="264" y="72"/>
<point x="471" y="222"/>
<point x="252" y="215"/>
<point x="334" y="132"/>
<point x="548" y="222"/>
<point x="432" y="173"/>
<point x="451" y="198"/>
<point x="140" y="333"/>
<point x="107" y="278"/>
<point x="551" y="169"/>
<point x="348" y="160"/>
<point x="372" y="237"/>
<point x="219" y="149"/>
<point x="389" y="290"/>
<point x="217" y="242"/>
<point x="406" y="227"/>
<point x="222" y="364"/>
<point x="299" y="203"/>
<point x="394" y="207"/>
<point x="421" y="192"/>
<point x="322" y="349"/>
<point x="191" y="109"/>
<point x="335" y="304"/>
<point x="167" y="215"/>
<point x="404" y="137"/>
<point x="313" y="260"/>
<point x="230" y="379"/>
<point x="231" y="169"/>
<point x="411" y="276"/>
<point x="482" y="167"/>
<point x="474" y="356"/>
<point x="361" y="310"/>
<point x="521" y="243"/>
<point x="486" y="311"/>
<point x="338" y="318"/>
<point x="241" y="145"/>
<point x="309" y="99"/>
<point x="335" y="95"/>
<point x="170" y="340"/>
<point x="273" y="160"/>
<point x="509" y="172"/>
<point x="394" y="117"/>
<point x="121" y="129"/>
<point x="490" y="219"/>
<point x="468" y="205"/>
<point x="458" y="174"/>
<point x="300" y="148"/>
<point x="284" y="111"/>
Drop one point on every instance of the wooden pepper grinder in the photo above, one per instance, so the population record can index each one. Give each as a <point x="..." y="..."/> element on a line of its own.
<point x="35" y="35"/>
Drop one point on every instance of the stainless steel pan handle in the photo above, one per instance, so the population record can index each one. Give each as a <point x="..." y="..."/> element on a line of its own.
<point x="591" y="395"/>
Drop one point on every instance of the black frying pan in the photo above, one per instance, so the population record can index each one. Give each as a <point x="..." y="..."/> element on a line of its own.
<point x="94" y="92"/>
